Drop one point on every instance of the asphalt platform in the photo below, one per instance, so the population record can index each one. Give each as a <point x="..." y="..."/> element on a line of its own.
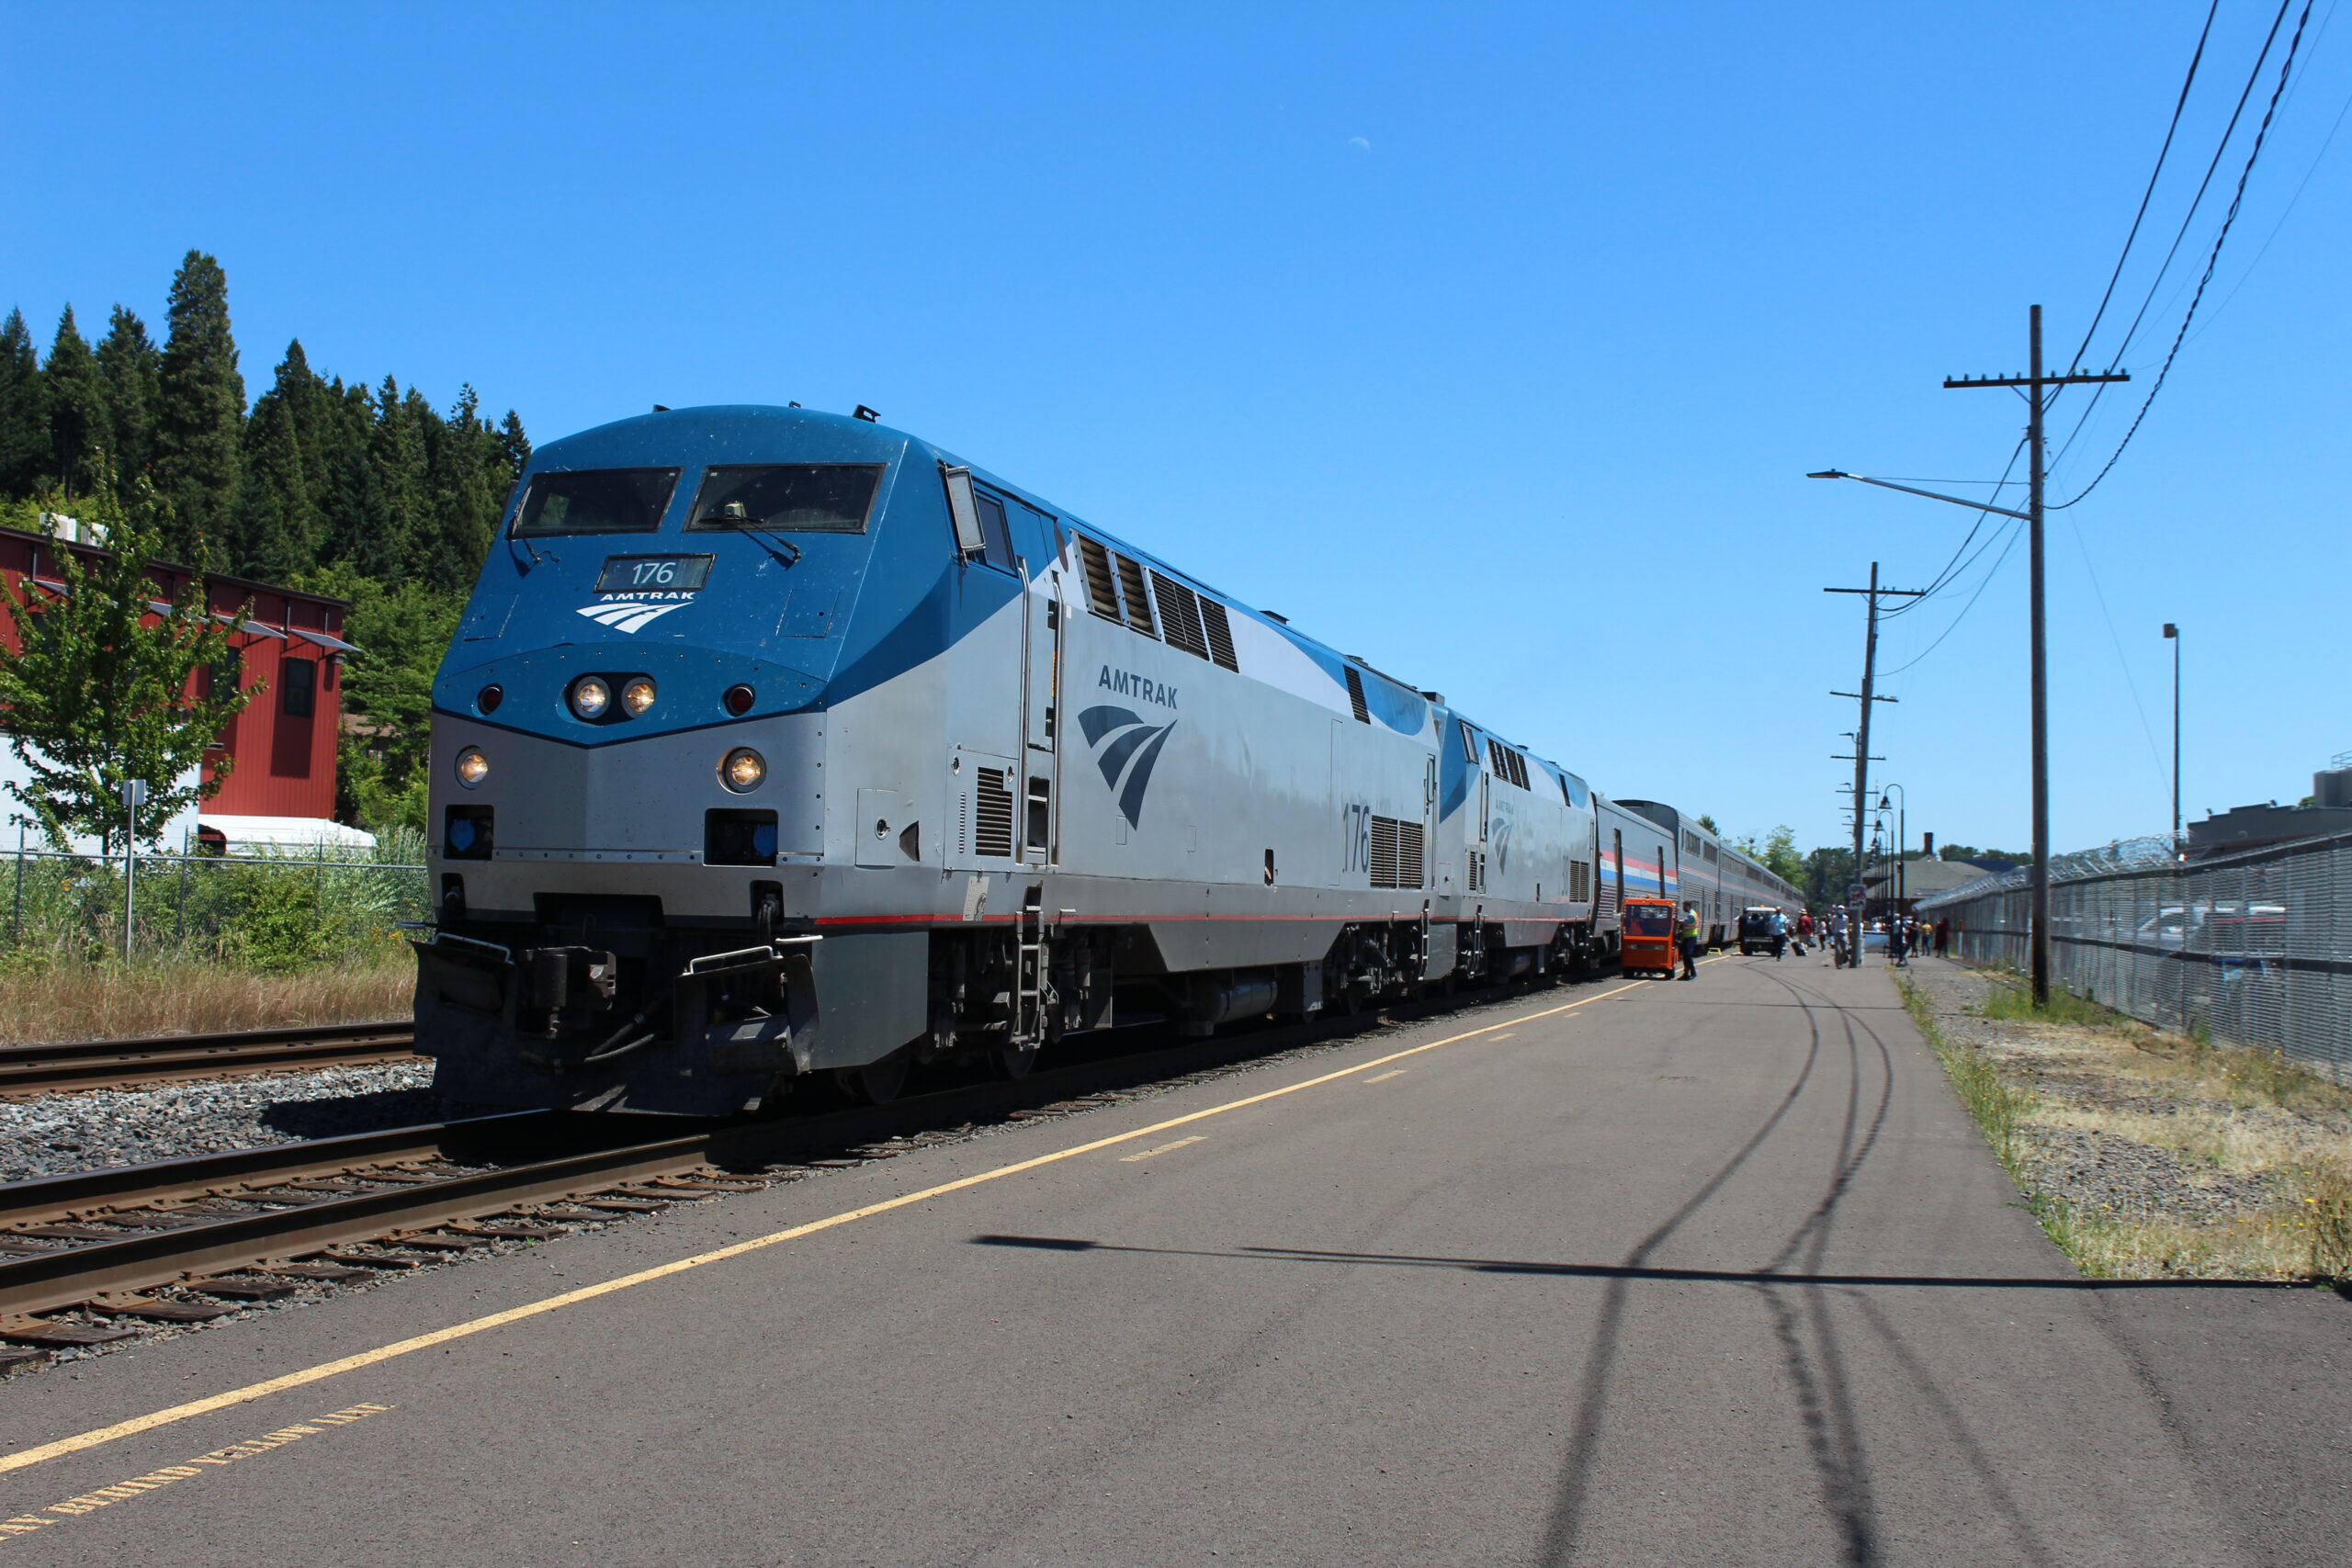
<point x="1625" y="1273"/>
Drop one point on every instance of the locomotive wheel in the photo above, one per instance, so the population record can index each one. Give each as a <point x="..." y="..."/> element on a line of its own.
<point x="877" y="1083"/>
<point x="1010" y="1062"/>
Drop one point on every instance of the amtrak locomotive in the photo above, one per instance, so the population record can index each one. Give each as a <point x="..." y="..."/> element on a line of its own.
<point x="774" y="743"/>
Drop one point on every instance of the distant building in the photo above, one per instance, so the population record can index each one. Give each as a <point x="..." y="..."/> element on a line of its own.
<point x="280" y="791"/>
<point x="2251" y="826"/>
<point x="1918" y="879"/>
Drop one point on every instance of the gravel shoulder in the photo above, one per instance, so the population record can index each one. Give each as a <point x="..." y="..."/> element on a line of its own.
<point x="2148" y="1155"/>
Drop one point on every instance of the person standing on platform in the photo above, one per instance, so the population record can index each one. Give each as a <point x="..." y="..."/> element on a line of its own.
<point x="1687" y="941"/>
<point x="1943" y="937"/>
<point x="1780" y="929"/>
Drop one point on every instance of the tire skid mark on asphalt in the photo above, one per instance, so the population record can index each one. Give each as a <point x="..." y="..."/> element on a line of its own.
<point x="1564" y="1530"/>
<point x="98" y="1436"/>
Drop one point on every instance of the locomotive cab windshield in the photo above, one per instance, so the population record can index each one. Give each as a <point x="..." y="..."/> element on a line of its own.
<point x="596" y="500"/>
<point x="817" y="498"/>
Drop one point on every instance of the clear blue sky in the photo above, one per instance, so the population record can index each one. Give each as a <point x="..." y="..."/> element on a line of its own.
<point x="1489" y="344"/>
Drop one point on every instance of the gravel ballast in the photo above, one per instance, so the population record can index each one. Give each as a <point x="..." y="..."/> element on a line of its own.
<point x="60" y="1134"/>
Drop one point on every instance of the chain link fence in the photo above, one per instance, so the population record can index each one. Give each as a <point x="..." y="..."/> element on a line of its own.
<point x="2253" y="949"/>
<point x="273" y="912"/>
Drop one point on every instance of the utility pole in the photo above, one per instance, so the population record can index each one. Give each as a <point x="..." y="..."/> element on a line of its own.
<point x="1866" y="696"/>
<point x="2036" y="387"/>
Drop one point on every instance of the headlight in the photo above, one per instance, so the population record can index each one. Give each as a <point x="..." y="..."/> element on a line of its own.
<point x="591" y="697"/>
<point x="743" y="770"/>
<point x="472" y="767"/>
<point x="637" y="696"/>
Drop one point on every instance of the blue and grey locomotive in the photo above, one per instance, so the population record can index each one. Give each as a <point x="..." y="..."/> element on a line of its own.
<point x="774" y="743"/>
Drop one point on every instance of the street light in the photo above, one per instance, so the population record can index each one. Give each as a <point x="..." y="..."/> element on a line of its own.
<point x="2037" y="937"/>
<point x="1902" y="838"/>
<point x="2172" y="634"/>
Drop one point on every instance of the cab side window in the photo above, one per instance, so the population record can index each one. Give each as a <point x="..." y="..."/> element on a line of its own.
<point x="993" y="532"/>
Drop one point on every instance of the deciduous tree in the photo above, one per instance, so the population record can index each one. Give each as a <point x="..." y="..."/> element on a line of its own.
<point x="104" y="688"/>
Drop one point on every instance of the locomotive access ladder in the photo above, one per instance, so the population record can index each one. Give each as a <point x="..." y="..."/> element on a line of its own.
<point x="1029" y="988"/>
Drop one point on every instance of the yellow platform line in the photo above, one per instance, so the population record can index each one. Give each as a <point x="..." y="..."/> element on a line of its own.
<point x="98" y="1437"/>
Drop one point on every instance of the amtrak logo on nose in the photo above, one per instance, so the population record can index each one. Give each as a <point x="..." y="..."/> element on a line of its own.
<point x="628" y="615"/>
<point x="1124" y="745"/>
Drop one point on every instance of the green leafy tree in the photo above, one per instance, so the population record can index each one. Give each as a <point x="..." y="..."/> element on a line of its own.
<point x="1826" y="872"/>
<point x="1971" y="854"/>
<point x="24" y="418"/>
<point x="1777" y="853"/>
<point x="75" y="394"/>
<point x="200" y="413"/>
<point x="132" y="368"/>
<point x="102" y="689"/>
<point x="401" y="630"/>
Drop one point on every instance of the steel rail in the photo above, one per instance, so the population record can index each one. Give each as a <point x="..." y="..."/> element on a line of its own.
<point x="52" y="1067"/>
<point x="528" y="1158"/>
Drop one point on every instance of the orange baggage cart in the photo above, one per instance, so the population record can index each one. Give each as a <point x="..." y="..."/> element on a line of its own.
<point x="1645" y="937"/>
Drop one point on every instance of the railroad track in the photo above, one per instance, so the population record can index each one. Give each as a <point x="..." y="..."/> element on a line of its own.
<point x="218" y="1232"/>
<point x="30" y="1070"/>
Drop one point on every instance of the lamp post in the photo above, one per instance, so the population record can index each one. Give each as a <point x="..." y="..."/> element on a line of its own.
<point x="2172" y="634"/>
<point x="1902" y="837"/>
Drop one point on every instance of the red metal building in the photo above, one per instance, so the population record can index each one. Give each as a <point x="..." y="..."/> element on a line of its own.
<point x="284" y="743"/>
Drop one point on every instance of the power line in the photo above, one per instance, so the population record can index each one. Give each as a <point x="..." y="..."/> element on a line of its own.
<point x="2014" y="530"/>
<point x="1952" y="567"/>
<point x="2213" y="260"/>
<point x="2179" y="104"/>
<point x="2329" y="142"/>
<point x="2156" y="283"/>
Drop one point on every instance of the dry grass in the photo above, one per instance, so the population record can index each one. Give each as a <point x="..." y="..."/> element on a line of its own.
<point x="80" y="1002"/>
<point x="2225" y="1115"/>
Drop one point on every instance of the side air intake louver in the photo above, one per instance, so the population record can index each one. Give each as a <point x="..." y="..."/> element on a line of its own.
<point x="1396" y="853"/>
<point x="1477" y="871"/>
<point x="1355" y="697"/>
<point x="1220" y="633"/>
<point x="1579" y="881"/>
<point x="1100" y="595"/>
<point x="1180" y="616"/>
<point x="1138" y="602"/>
<point x="992" y="824"/>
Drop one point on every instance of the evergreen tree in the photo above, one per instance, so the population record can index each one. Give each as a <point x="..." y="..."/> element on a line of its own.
<point x="396" y="447"/>
<point x="464" y="493"/>
<point x="24" y="423"/>
<point x="276" y="529"/>
<point x="357" y="514"/>
<point x="515" y="447"/>
<point x="101" y="689"/>
<point x="79" y="430"/>
<point x="132" y="369"/>
<point x="202" y="410"/>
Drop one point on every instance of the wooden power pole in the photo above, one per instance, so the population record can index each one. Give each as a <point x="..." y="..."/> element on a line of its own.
<point x="1863" y="758"/>
<point x="2036" y="387"/>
